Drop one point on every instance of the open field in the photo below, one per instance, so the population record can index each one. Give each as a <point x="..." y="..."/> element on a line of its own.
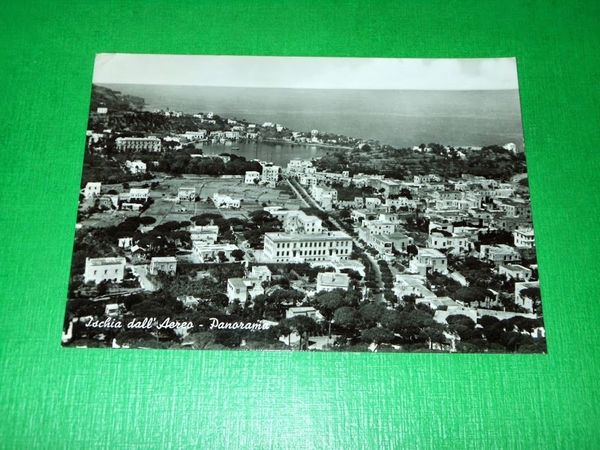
<point x="166" y="208"/>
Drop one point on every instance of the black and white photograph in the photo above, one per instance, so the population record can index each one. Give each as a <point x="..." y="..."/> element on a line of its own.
<point x="304" y="204"/>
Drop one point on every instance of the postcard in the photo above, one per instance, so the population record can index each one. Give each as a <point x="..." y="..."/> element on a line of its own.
<point x="304" y="204"/>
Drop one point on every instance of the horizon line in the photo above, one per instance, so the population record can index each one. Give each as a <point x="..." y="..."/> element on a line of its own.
<point x="103" y="83"/>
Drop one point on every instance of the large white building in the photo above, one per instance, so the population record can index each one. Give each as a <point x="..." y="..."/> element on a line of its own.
<point x="290" y="247"/>
<point x="151" y="144"/>
<point x="104" y="269"/>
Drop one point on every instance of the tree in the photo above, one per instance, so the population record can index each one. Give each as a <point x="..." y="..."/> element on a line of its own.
<point x="371" y="313"/>
<point x="222" y="257"/>
<point x="347" y="318"/>
<point x="304" y="326"/>
<point x="238" y="254"/>
<point x="377" y="335"/>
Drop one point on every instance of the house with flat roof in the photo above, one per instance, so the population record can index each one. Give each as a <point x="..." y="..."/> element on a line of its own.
<point x="328" y="281"/>
<point x="206" y="252"/>
<point x="204" y="233"/>
<point x="243" y="289"/>
<point x="524" y="237"/>
<point x="298" y="247"/>
<point x="307" y="311"/>
<point x="428" y="259"/>
<point x="515" y="272"/>
<point x="166" y="264"/>
<point x="251" y="177"/>
<point x="92" y="189"/>
<point x="186" y="194"/>
<point x="98" y="270"/>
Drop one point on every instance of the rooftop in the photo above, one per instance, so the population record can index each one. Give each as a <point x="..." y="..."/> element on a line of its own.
<point x="163" y="259"/>
<point x="327" y="236"/>
<point x="105" y="261"/>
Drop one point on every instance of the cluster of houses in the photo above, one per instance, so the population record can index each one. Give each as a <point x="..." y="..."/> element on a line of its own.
<point x="134" y="200"/>
<point x="457" y="212"/>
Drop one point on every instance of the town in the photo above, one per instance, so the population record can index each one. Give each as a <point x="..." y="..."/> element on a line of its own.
<point x="316" y="254"/>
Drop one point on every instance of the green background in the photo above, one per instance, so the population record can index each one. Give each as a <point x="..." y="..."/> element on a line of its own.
<point x="52" y="397"/>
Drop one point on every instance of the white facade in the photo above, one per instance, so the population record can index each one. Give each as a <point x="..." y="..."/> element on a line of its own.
<point x="300" y="222"/>
<point x="225" y="201"/>
<point x="166" y="264"/>
<point x="206" y="233"/>
<point x="429" y="259"/>
<point x="135" y="167"/>
<point x="104" y="269"/>
<point x="151" y="144"/>
<point x="290" y="247"/>
<point x="524" y="238"/>
<point x="270" y="174"/>
<point x="251" y="176"/>
<point x="92" y="189"/>
<point x="186" y="194"/>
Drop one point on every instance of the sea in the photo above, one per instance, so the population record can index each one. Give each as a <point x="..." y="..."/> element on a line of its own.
<point x="401" y="118"/>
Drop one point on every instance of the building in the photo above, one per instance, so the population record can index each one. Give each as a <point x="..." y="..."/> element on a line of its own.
<point x="204" y="233"/>
<point x="499" y="254"/>
<point x="299" y="222"/>
<point x="243" y="289"/>
<point x="102" y="110"/>
<point x="514" y="207"/>
<point x="523" y="296"/>
<point x="139" y="194"/>
<point x="328" y="281"/>
<point x="199" y="135"/>
<point x="98" y="270"/>
<point x="386" y="244"/>
<point x="166" y="264"/>
<point x="372" y="202"/>
<point x="326" y="197"/>
<point x="298" y="167"/>
<point x="262" y="273"/>
<point x="429" y="259"/>
<point x="92" y="189"/>
<point x="206" y="252"/>
<point x="137" y="144"/>
<point x="307" y="311"/>
<point x="291" y="247"/>
<point x="125" y="242"/>
<point x="524" y="238"/>
<point x="411" y="285"/>
<point x="186" y="194"/>
<point x="136" y="167"/>
<point x="515" y="272"/>
<point x="270" y="174"/>
<point x="225" y="201"/>
<point x="251" y="177"/>
<point x="454" y="243"/>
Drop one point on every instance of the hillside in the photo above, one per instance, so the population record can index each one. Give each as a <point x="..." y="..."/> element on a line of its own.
<point x="114" y="100"/>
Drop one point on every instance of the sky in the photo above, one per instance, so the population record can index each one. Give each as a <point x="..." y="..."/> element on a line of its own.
<point x="307" y="72"/>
